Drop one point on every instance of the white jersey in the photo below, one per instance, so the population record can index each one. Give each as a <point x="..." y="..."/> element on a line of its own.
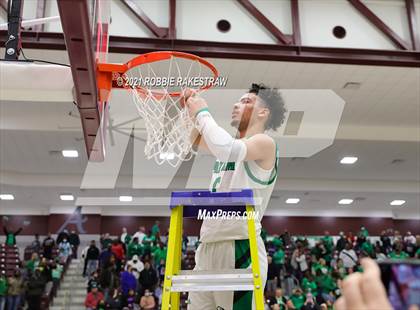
<point x="236" y="176"/>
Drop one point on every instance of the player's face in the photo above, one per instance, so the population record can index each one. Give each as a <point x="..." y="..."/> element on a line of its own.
<point x="244" y="111"/>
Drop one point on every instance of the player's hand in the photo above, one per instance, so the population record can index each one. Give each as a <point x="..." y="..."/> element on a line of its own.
<point x="193" y="102"/>
<point x="364" y="291"/>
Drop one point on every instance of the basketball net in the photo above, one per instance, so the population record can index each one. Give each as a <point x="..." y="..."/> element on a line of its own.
<point x="167" y="121"/>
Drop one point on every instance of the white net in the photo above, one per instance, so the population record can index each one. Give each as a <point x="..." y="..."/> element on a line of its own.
<point x="167" y="122"/>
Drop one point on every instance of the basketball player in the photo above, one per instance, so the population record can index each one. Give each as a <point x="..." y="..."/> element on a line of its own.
<point x="250" y="161"/>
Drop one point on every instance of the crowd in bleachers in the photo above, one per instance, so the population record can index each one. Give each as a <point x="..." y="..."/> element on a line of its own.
<point x="303" y="272"/>
<point x="127" y="272"/>
<point x="33" y="282"/>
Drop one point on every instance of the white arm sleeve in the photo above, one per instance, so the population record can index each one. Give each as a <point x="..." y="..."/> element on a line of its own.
<point x="219" y="142"/>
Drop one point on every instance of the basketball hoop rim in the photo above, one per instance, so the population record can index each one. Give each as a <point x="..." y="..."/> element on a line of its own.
<point x="106" y="71"/>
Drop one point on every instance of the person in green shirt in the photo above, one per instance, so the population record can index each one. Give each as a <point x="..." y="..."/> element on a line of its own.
<point x="367" y="247"/>
<point x="155" y="228"/>
<point x="134" y="248"/>
<point x="33" y="263"/>
<point x="11" y="236"/>
<point x="277" y="242"/>
<point x="309" y="285"/>
<point x="159" y="254"/>
<point x="325" y="282"/>
<point x="148" y="242"/>
<point x="363" y="232"/>
<point x="297" y="299"/>
<point x="278" y="257"/>
<point x="328" y="241"/>
<point x="3" y="290"/>
<point x="398" y="253"/>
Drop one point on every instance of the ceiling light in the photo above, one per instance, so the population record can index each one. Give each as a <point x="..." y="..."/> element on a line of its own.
<point x="345" y="201"/>
<point x="7" y="197"/>
<point x="70" y="153"/>
<point x="66" y="197"/>
<point x="126" y="198"/>
<point x="348" y="160"/>
<point x="397" y="202"/>
<point x="292" y="200"/>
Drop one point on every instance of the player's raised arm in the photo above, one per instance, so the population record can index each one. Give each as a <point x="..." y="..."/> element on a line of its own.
<point x="220" y="143"/>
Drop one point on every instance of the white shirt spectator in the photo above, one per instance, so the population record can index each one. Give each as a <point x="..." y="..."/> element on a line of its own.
<point x="410" y="239"/>
<point x="137" y="264"/>
<point x="140" y="236"/>
<point x="348" y="257"/>
<point x="302" y="262"/>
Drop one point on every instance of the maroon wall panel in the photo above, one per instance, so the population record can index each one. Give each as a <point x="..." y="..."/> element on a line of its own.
<point x="92" y="225"/>
<point x="97" y="224"/>
<point x="114" y="224"/>
<point x="31" y="224"/>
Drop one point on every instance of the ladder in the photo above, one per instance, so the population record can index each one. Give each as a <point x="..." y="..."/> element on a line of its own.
<point x="189" y="204"/>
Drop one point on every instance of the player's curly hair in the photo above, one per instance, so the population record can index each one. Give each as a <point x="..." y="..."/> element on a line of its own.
<point x="275" y="103"/>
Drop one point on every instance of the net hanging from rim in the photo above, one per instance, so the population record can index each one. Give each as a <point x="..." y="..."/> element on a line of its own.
<point x="167" y="121"/>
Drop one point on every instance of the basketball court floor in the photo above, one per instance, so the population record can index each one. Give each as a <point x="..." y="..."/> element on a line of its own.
<point x="95" y="131"/>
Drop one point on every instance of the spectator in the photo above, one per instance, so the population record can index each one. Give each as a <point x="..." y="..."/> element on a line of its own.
<point x="56" y="272"/>
<point x="161" y="270"/>
<point x="11" y="236"/>
<point x="93" y="281"/>
<point x="341" y="242"/>
<point x="118" y="251"/>
<point x="272" y="276"/>
<point x="93" y="298"/>
<point x="159" y="253"/>
<point x="348" y="256"/>
<point x="62" y="235"/>
<point x="36" y="244"/>
<point x="309" y="285"/>
<point x="148" y="242"/>
<point x="15" y="291"/>
<point x="35" y="289"/>
<point x="398" y="253"/>
<point x="301" y="260"/>
<point x="128" y="281"/>
<point x="105" y="241"/>
<point x="147" y="301"/>
<point x="105" y="256"/>
<point x="109" y="279"/>
<point x="130" y="300"/>
<point x="137" y="266"/>
<point x="379" y="255"/>
<point x="48" y="246"/>
<point x="125" y="237"/>
<point x="156" y="229"/>
<point x="33" y="263"/>
<point x="3" y="290"/>
<point x="91" y="259"/>
<point x="386" y="242"/>
<point x="114" y="300"/>
<point x="135" y="248"/>
<point x="297" y="299"/>
<point x="140" y="234"/>
<point x="64" y="250"/>
<point x="278" y="301"/>
<point x="310" y="303"/>
<point x="74" y="241"/>
<point x="148" y="278"/>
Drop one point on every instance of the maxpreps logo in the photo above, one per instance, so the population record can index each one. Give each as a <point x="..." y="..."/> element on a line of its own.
<point x="219" y="214"/>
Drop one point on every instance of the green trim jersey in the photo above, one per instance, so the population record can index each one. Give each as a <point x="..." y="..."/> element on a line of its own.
<point x="236" y="176"/>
